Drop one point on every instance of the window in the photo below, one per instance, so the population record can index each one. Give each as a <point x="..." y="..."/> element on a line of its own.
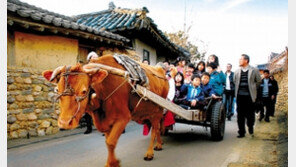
<point x="146" y="55"/>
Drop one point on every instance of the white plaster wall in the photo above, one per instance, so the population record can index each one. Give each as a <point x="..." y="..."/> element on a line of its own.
<point x="140" y="46"/>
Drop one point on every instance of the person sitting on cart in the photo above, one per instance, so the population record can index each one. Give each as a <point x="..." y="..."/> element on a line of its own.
<point x="195" y="96"/>
<point x="206" y="86"/>
<point x="179" y="96"/>
<point x="217" y="80"/>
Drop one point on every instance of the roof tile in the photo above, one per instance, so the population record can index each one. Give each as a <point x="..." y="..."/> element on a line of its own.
<point x="117" y="19"/>
<point x="48" y="17"/>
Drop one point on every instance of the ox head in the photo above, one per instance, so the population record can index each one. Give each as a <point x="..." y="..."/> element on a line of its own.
<point x="73" y="87"/>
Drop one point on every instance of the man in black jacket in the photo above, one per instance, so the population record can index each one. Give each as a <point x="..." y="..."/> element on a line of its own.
<point x="266" y="94"/>
<point x="228" y="92"/>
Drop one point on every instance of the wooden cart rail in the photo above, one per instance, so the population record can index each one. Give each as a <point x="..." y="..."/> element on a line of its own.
<point x="190" y="115"/>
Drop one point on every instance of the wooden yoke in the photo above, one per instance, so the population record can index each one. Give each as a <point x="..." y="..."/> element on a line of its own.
<point x="94" y="67"/>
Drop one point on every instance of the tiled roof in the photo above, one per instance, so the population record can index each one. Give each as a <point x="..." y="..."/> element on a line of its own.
<point x="262" y="66"/>
<point x="273" y="55"/>
<point x="36" y="14"/>
<point x="112" y="19"/>
<point x="121" y="20"/>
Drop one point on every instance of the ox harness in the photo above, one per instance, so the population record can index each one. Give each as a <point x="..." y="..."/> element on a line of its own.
<point x="69" y="91"/>
<point x="137" y="74"/>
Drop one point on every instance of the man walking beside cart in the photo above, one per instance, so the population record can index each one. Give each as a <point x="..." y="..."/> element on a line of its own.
<point x="267" y="93"/>
<point x="229" y="92"/>
<point x="247" y="80"/>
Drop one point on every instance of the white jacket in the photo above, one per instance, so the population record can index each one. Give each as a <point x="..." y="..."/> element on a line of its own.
<point x="172" y="90"/>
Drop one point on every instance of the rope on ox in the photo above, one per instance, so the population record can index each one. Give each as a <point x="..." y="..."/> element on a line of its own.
<point x="125" y="74"/>
<point x="115" y="90"/>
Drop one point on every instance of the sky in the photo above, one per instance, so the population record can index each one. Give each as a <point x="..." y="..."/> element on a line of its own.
<point x="226" y="28"/>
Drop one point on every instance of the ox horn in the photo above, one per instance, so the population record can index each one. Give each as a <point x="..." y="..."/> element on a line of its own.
<point x="56" y="72"/>
<point x="92" y="68"/>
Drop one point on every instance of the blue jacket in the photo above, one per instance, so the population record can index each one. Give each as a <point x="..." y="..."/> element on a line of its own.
<point x="207" y="90"/>
<point x="217" y="81"/>
<point x="192" y="92"/>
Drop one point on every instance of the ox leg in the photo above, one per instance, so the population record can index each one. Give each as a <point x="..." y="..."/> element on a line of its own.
<point x="155" y="129"/>
<point x="111" y="141"/>
<point x="158" y="146"/>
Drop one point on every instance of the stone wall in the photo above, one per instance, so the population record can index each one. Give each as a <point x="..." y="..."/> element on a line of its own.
<point x="30" y="109"/>
<point x="279" y="68"/>
<point x="282" y="97"/>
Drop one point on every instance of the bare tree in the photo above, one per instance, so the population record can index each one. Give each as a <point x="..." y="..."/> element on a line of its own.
<point x="181" y="38"/>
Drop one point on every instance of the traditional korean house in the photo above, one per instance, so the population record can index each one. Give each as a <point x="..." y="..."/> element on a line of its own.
<point x="148" y="41"/>
<point x="41" y="39"/>
<point x="278" y="62"/>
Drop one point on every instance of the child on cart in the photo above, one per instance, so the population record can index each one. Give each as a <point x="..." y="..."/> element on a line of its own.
<point x="195" y="96"/>
<point x="207" y="88"/>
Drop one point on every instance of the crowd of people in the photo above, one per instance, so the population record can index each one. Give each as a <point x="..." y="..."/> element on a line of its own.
<point x="191" y="86"/>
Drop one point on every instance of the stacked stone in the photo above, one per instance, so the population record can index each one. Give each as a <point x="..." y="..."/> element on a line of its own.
<point x="281" y="75"/>
<point x="30" y="109"/>
<point x="282" y="98"/>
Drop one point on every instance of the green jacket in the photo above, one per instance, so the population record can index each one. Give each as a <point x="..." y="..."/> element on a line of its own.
<point x="217" y="80"/>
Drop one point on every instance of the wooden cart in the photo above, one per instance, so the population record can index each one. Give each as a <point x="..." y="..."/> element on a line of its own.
<point x="212" y="116"/>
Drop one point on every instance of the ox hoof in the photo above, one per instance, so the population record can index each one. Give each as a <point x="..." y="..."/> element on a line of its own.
<point x="157" y="148"/>
<point x="113" y="164"/>
<point x="148" y="158"/>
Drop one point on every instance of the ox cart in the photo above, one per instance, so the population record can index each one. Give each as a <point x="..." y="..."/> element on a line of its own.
<point x="106" y="77"/>
<point x="213" y="115"/>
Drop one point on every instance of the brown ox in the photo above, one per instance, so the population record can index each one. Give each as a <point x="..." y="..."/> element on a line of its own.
<point x="117" y="108"/>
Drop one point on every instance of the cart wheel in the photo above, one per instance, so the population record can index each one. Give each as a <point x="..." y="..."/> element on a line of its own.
<point x="218" y="121"/>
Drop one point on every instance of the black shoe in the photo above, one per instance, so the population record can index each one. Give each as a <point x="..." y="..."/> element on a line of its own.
<point x="240" y="136"/>
<point x="267" y="120"/>
<point x="251" y="131"/>
<point x="229" y="118"/>
<point x="88" y="130"/>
